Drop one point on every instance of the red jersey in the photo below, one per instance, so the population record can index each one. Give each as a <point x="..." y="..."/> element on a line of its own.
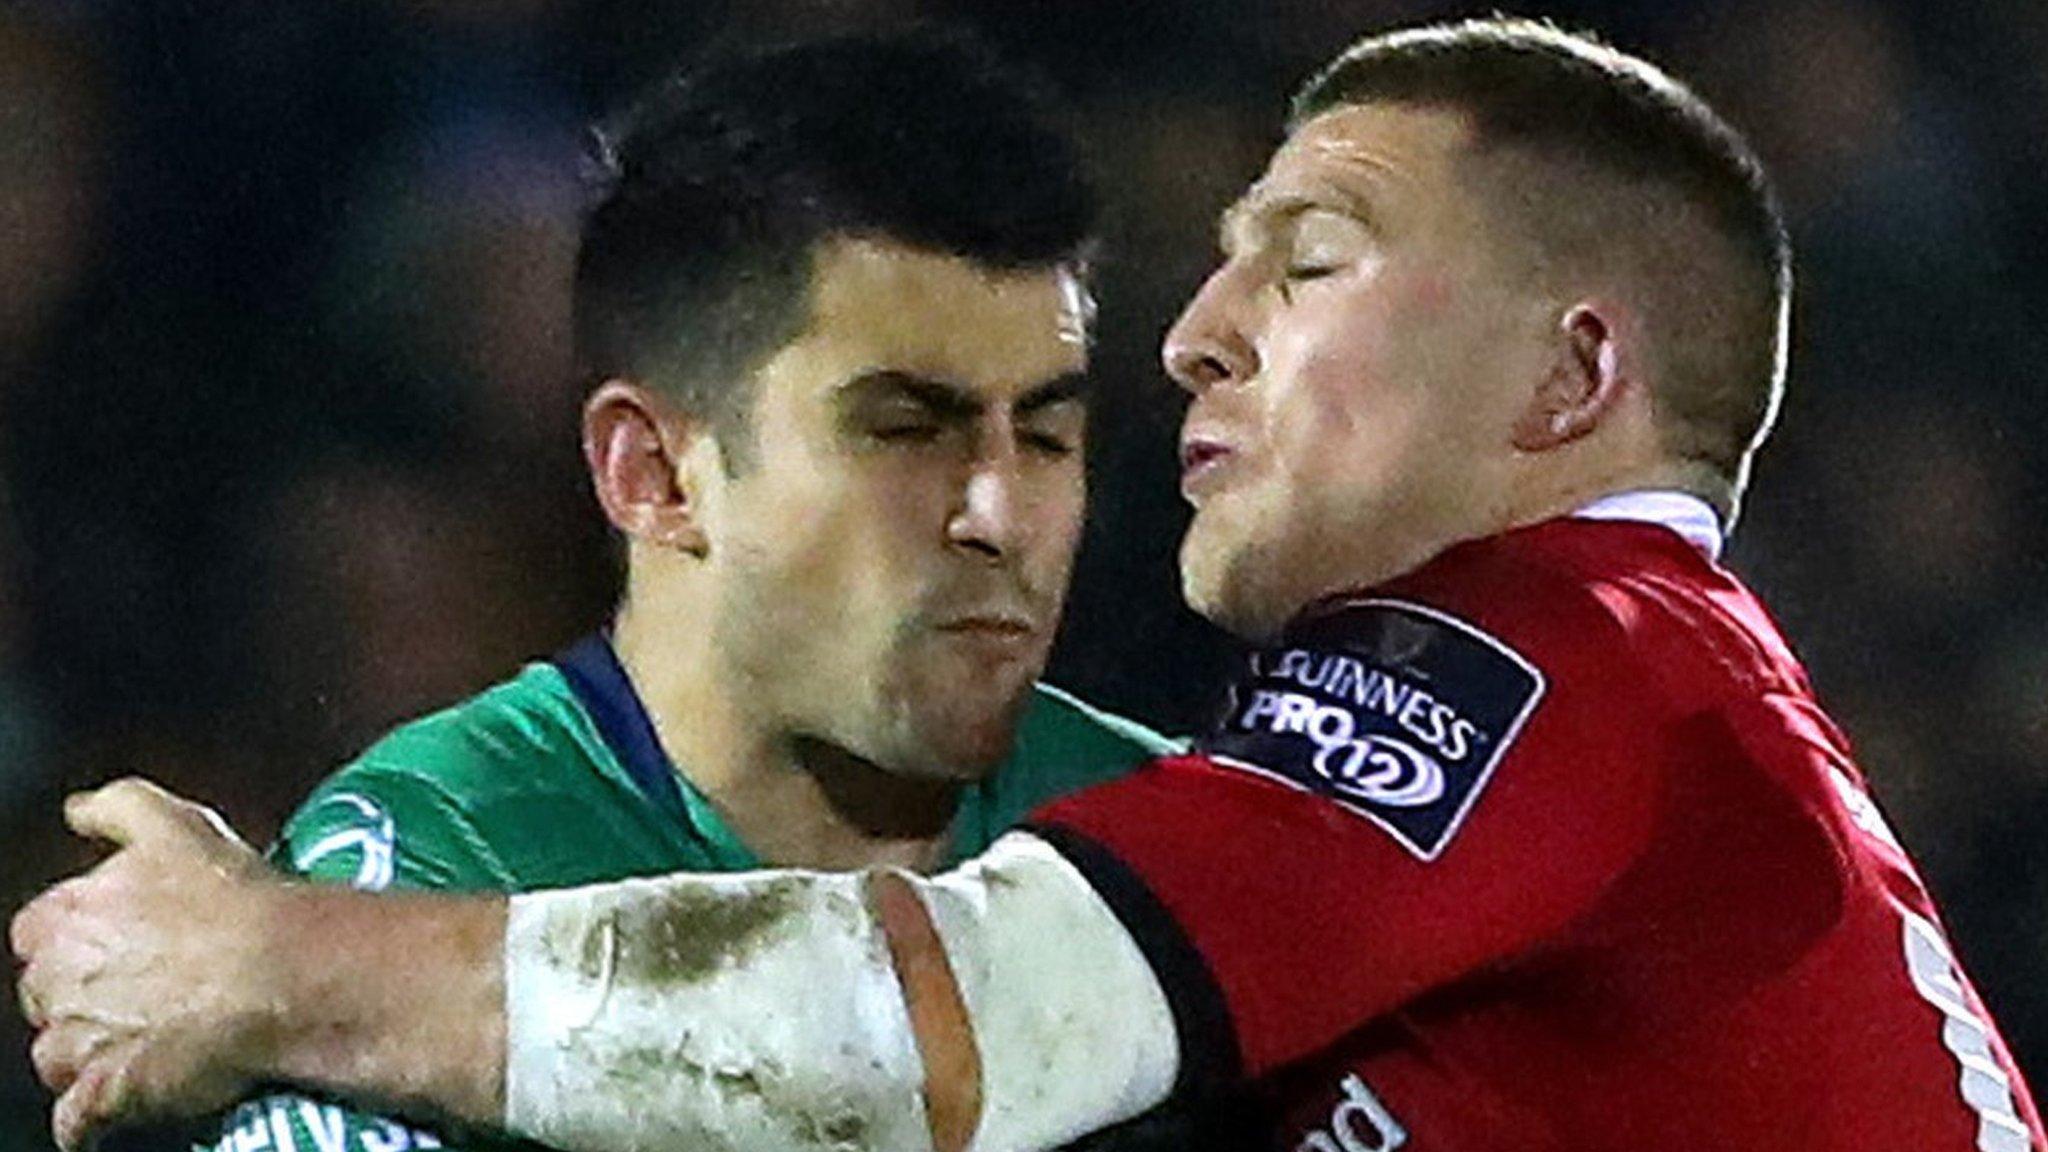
<point x="1546" y="845"/>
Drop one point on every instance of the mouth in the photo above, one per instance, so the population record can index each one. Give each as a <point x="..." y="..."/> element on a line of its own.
<point x="1003" y="638"/>
<point x="995" y="627"/>
<point x="999" y="624"/>
<point x="1201" y="459"/>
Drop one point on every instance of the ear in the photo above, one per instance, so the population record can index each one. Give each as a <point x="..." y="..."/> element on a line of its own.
<point x="636" y="451"/>
<point x="1587" y="378"/>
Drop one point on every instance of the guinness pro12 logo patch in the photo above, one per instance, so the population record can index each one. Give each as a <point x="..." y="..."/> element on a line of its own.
<point x="1396" y="711"/>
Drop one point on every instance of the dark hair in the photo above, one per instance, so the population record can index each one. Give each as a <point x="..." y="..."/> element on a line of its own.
<point x="720" y="183"/>
<point x="1528" y="85"/>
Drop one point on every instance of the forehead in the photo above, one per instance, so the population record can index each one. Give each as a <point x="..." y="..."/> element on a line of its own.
<point x="1362" y="154"/>
<point x="881" y="306"/>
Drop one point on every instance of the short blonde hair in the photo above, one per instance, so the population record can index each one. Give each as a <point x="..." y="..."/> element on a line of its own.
<point x="1701" y="229"/>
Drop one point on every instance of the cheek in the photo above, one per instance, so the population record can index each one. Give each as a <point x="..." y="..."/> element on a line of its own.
<point x="1430" y="294"/>
<point x="1354" y="386"/>
<point x="828" y="539"/>
<point x="1326" y="365"/>
<point x="1336" y="418"/>
<point x="1059" y="516"/>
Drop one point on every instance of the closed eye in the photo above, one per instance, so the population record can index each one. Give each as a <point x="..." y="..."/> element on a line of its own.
<point x="1301" y="272"/>
<point x="1049" y="443"/>
<point x="923" y="432"/>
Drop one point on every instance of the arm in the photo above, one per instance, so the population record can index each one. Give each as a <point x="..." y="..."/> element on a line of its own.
<point x="1000" y="1003"/>
<point x="369" y="829"/>
<point x="179" y="974"/>
<point x="421" y="1036"/>
<point x="1061" y="982"/>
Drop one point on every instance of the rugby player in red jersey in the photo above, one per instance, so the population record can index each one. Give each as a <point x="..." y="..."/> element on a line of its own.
<point x="1522" y="828"/>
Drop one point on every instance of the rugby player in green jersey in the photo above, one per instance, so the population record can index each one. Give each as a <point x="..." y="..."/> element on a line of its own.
<point x="833" y="313"/>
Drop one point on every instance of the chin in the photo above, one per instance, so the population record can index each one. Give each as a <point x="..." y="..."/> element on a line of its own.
<point x="963" y="739"/>
<point x="962" y="757"/>
<point x="1221" y="583"/>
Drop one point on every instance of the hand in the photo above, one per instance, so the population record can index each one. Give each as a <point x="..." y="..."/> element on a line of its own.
<point x="143" y="976"/>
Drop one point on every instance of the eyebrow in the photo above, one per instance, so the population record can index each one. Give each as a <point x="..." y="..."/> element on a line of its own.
<point x="952" y="401"/>
<point x="1072" y="387"/>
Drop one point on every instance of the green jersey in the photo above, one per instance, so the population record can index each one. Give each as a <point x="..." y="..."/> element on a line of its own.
<point x="555" y="778"/>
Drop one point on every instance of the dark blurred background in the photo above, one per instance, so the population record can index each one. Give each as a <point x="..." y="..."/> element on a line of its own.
<point x="287" y="434"/>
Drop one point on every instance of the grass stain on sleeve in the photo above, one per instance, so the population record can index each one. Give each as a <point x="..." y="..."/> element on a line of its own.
<point x="691" y="933"/>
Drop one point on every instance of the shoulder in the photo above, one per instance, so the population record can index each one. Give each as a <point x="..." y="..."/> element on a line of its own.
<point x="1055" y="715"/>
<point x="1631" y="607"/>
<point x="1632" y="597"/>
<point x="374" y="829"/>
<point x="1540" y="588"/>
<point x="416" y="809"/>
<point x="1640" y="661"/>
<point x="1498" y="669"/>
<point x="1500" y="625"/>
<point x="1063" y="745"/>
<point x="489" y="742"/>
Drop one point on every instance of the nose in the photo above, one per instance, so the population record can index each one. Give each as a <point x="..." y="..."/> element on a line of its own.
<point x="986" y="521"/>
<point x="1207" y="346"/>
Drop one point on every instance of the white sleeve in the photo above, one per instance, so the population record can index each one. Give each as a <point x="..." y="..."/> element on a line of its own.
<point x="1073" y="1029"/>
<point x="761" y="1011"/>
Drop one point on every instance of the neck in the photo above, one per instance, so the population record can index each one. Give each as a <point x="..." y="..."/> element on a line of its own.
<point x="794" y="801"/>
<point x="1534" y="501"/>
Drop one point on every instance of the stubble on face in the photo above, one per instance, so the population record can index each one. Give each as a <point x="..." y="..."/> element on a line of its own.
<point x="854" y="605"/>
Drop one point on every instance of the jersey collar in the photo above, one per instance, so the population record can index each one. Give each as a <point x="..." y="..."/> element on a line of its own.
<point x="601" y="685"/>
<point x="1681" y="512"/>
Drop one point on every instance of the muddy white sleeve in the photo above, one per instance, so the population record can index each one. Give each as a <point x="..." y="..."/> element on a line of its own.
<point x="761" y="1011"/>
<point x="1072" y="1027"/>
<point x="753" y="1011"/>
